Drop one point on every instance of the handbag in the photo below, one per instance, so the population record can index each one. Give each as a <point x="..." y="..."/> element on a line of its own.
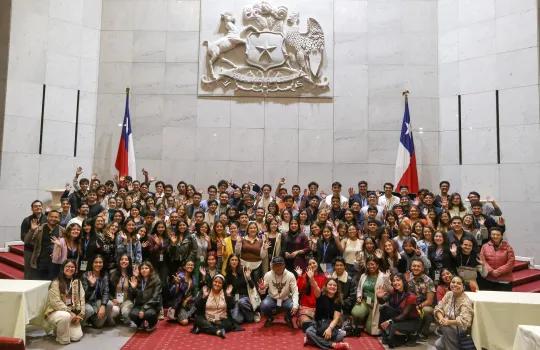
<point x="465" y="341"/>
<point x="254" y="297"/>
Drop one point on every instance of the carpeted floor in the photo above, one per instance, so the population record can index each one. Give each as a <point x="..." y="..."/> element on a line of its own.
<point x="255" y="336"/>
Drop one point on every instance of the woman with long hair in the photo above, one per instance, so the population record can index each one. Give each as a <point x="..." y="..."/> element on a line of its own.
<point x="392" y="261"/>
<point x="295" y="247"/>
<point x="127" y="243"/>
<point x="273" y="239"/>
<point x="328" y="248"/>
<point x="252" y="250"/>
<point x="352" y="246"/>
<point x="66" y="304"/>
<point x="444" y="284"/>
<point x="240" y="278"/>
<point x="182" y="291"/>
<point x="404" y="232"/>
<point x="98" y="306"/>
<point x="444" y="222"/>
<point x="217" y="241"/>
<point x="455" y="206"/>
<point x="107" y="242"/>
<point x="307" y="298"/>
<point x="67" y="247"/>
<point x="439" y="256"/>
<point x="230" y="244"/>
<point x="120" y="290"/>
<point x="183" y="247"/>
<point x="427" y="240"/>
<point x="147" y="297"/>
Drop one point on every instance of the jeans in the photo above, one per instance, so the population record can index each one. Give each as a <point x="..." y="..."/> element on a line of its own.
<point x="243" y="311"/>
<point x="212" y="328"/>
<point x="313" y="338"/>
<point x="269" y="304"/>
<point x="90" y="315"/>
<point x="406" y="327"/>
<point x="150" y="315"/>
<point x="449" y="338"/>
<point x="122" y="310"/>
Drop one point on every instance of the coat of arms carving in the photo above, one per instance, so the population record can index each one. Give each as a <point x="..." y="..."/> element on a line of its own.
<point x="265" y="52"/>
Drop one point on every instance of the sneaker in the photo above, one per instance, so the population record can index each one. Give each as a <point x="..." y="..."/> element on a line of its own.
<point x="305" y="340"/>
<point x="161" y="314"/>
<point x="268" y="322"/>
<point x="257" y="317"/>
<point x="221" y="333"/>
<point x="195" y="330"/>
<point x="342" y="346"/>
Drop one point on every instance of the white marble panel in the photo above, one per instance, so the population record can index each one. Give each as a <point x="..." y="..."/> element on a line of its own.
<point x="214" y="112"/>
<point x="24" y="7"/>
<point x="213" y="144"/>
<point x="16" y="205"/>
<point x="322" y="173"/>
<point x="117" y="15"/>
<point x="153" y="166"/>
<point x="378" y="174"/>
<point x="448" y="46"/>
<point x="419" y="48"/>
<point x="180" y="111"/>
<point x="349" y="174"/>
<point x="479" y="145"/>
<point x="518" y="31"/>
<point x="182" y="46"/>
<point x="426" y="147"/>
<point x="385" y="48"/>
<point x="524" y="190"/>
<point x="242" y="172"/>
<point x="90" y="43"/>
<point x="64" y="37"/>
<point x="55" y="171"/>
<point x="477" y="40"/>
<point x="10" y="233"/>
<point x="447" y="15"/>
<point x="21" y="135"/>
<point x="350" y="146"/>
<point x="149" y="46"/>
<point x="451" y="173"/>
<point x="147" y="107"/>
<point x="449" y="79"/>
<point x="316" y="146"/>
<point x="247" y="112"/>
<point x="281" y="113"/>
<point x="67" y="10"/>
<point x="428" y="176"/>
<point x="350" y="48"/>
<point x="247" y="144"/>
<point x="210" y="172"/>
<point x="174" y="170"/>
<point x="386" y="112"/>
<point x="522" y="219"/>
<point x="183" y="15"/>
<point x="62" y="70"/>
<point x="481" y="178"/>
<point x="424" y="113"/>
<point x="19" y="171"/>
<point x="61" y="104"/>
<point x="519" y="106"/>
<point x="110" y="109"/>
<point x="91" y="16"/>
<point x="351" y="16"/>
<point x="280" y="145"/>
<point x="472" y="11"/>
<point x="351" y="80"/>
<point x="273" y="171"/>
<point x="517" y="68"/>
<point x="504" y="8"/>
<point x="448" y="147"/>
<point x="520" y="144"/>
<point x="421" y="80"/>
<point x="147" y="138"/>
<point x="27" y="104"/>
<point x="350" y="113"/>
<point x="179" y="143"/>
<point x="478" y="74"/>
<point x="382" y="146"/>
<point x="114" y="77"/>
<point x="85" y="140"/>
<point x="388" y="80"/>
<point x="148" y="77"/>
<point x="315" y="114"/>
<point x="89" y="71"/>
<point x="181" y="78"/>
<point x="384" y="16"/>
<point x="58" y="138"/>
<point x="448" y="113"/>
<point x="478" y="110"/>
<point x="149" y="14"/>
<point x="419" y="17"/>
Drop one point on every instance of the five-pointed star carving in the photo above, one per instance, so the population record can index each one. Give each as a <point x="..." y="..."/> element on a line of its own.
<point x="265" y="50"/>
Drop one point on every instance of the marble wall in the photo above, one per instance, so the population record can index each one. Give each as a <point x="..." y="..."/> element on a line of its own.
<point x="52" y="42"/>
<point x="380" y="49"/>
<point x="484" y="46"/>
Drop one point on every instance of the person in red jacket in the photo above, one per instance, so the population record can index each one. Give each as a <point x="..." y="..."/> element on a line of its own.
<point x="308" y="301"/>
<point x="497" y="257"/>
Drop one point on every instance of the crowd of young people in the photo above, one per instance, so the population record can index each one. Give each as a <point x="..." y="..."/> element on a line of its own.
<point x="385" y="263"/>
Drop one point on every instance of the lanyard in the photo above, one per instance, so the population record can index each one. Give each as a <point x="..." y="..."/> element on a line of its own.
<point x="86" y="243"/>
<point x="68" y="292"/>
<point x="143" y="284"/>
<point x="122" y="279"/>
<point x="98" y="286"/>
<point x="325" y="248"/>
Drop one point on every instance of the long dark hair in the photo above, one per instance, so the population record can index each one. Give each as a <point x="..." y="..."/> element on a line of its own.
<point x="62" y="280"/>
<point x="228" y="269"/>
<point x="115" y="276"/>
<point x="337" y="297"/>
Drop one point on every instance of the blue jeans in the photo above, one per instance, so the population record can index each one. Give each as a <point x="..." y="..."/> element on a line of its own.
<point x="269" y="305"/>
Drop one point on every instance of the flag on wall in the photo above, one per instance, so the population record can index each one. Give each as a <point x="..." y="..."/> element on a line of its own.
<point x="406" y="174"/>
<point x="125" y="157"/>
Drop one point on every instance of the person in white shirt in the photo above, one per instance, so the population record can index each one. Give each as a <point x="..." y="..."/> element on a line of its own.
<point x="336" y="191"/>
<point x="281" y="291"/>
<point x="388" y="200"/>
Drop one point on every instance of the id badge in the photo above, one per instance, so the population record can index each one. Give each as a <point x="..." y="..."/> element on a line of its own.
<point x="68" y="301"/>
<point x="368" y="300"/>
<point x="84" y="265"/>
<point x="437" y="275"/>
<point x="120" y="297"/>
<point x="279" y="303"/>
<point x="236" y="297"/>
<point x="161" y="257"/>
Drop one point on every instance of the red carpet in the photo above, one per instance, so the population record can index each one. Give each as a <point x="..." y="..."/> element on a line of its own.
<point x="255" y="336"/>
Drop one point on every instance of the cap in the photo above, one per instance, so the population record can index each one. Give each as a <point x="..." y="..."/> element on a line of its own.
<point x="278" y="260"/>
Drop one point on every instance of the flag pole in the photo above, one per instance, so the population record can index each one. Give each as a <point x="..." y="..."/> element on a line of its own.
<point x="406" y="94"/>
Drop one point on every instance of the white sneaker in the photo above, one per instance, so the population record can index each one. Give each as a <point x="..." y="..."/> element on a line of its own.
<point x="257" y="317"/>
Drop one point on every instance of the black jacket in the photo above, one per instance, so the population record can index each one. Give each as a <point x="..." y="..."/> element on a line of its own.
<point x="150" y="297"/>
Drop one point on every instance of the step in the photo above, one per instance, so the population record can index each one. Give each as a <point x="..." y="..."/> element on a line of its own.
<point x="531" y="287"/>
<point x="525" y="276"/>
<point x="520" y="265"/>
<point x="17" y="249"/>
<point x="9" y="272"/>
<point x="12" y="259"/>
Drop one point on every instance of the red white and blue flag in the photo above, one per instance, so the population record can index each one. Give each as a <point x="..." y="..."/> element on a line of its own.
<point x="406" y="174"/>
<point x="125" y="157"/>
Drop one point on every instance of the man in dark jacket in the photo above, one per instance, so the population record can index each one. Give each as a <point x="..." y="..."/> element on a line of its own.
<point x="37" y="215"/>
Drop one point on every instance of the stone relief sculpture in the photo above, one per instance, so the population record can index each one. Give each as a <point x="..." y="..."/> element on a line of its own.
<point x="276" y="57"/>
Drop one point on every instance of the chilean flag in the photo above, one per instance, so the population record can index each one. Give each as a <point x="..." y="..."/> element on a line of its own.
<point x="125" y="157"/>
<point x="406" y="174"/>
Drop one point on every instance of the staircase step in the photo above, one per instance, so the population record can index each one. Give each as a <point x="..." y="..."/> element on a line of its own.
<point x="10" y="272"/>
<point x="531" y="287"/>
<point x="520" y="265"/>
<point x="525" y="276"/>
<point x="17" y="249"/>
<point x="12" y="259"/>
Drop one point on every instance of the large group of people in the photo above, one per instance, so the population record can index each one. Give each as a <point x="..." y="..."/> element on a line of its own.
<point x="388" y="263"/>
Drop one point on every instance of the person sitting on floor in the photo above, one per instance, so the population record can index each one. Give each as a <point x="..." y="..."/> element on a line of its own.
<point x="147" y="297"/>
<point x="182" y="292"/>
<point x="281" y="291"/>
<point x="424" y="288"/>
<point x="308" y="298"/>
<point x="240" y="277"/>
<point x="96" y="289"/>
<point x="66" y="305"/>
<point x="120" y="291"/>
